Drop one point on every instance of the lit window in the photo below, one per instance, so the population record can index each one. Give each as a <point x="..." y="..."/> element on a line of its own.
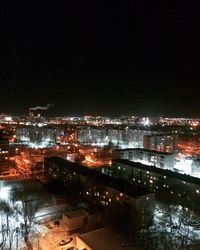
<point x="151" y="181"/>
<point x="121" y="194"/>
<point x="197" y="191"/>
<point x="165" y="177"/>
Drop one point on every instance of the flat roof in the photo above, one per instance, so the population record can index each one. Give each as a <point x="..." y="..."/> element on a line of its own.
<point x="105" y="239"/>
<point x="144" y="150"/>
<point x="169" y="173"/>
<point x="76" y="213"/>
<point x="119" y="184"/>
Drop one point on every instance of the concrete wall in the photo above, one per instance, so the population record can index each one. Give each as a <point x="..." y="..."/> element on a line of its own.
<point x="75" y="222"/>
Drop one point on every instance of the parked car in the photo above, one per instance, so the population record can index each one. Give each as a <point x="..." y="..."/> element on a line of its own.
<point x="64" y="242"/>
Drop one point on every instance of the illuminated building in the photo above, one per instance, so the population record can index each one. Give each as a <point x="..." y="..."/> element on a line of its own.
<point x="36" y="136"/>
<point x="124" y="137"/>
<point x="127" y="137"/>
<point x="145" y="156"/>
<point x="168" y="185"/>
<point x="161" y="142"/>
<point x="174" y="121"/>
<point x="89" y="135"/>
<point x="96" y="187"/>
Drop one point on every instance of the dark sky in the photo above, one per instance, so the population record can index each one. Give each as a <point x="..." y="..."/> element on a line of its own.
<point x="100" y="57"/>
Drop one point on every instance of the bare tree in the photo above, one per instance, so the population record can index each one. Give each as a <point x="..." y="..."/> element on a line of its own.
<point x="8" y="212"/>
<point x="26" y="205"/>
<point x="3" y="236"/>
<point x="171" y="230"/>
<point x="7" y="231"/>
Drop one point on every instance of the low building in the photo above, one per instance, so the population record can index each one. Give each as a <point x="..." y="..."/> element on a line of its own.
<point x="102" y="239"/>
<point x="75" y="219"/>
<point x="149" y="157"/>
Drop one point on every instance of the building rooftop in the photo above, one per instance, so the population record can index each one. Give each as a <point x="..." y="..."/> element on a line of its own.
<point x="105" y="239"/>
<point x="144" y="150"/>
<point x="164" y="172"/>
<point x="121" y="185"/>
<point x="76" y="213"/>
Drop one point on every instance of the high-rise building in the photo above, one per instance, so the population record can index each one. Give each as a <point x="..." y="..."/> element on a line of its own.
<point x="161" y="142"/>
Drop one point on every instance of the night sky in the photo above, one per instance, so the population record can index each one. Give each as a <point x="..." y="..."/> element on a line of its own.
<point x="100" y="57"/>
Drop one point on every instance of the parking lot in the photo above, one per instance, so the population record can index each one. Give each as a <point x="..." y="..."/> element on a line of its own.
<point x="53" y="237"/>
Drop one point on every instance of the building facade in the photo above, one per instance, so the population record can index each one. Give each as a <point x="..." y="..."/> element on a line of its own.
<point x="161" y="142"/>
<point x="169" y="186"/>
<point x="121" y="136"/>
<point x="145" y="156"/>
<point x="98" y="188"/>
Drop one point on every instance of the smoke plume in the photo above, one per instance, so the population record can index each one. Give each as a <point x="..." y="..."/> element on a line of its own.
<point x="42" y="107"/>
